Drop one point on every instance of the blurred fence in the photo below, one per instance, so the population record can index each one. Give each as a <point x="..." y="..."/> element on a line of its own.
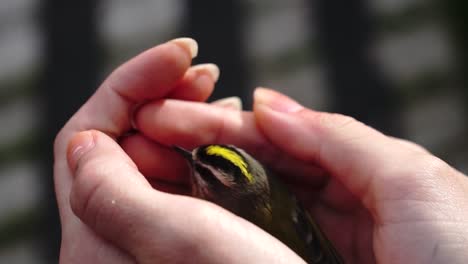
<point x="400" y="66"/>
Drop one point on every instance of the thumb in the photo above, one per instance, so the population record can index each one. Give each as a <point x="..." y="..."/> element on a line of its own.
<point x="368" y="163"/>
<point x="115" y="200"/>
<point x="108" y="192"/>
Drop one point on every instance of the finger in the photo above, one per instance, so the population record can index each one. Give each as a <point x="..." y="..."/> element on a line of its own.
<point x="351" y="151"/>
<point x="150" y="75"/>
<point x="155" y="161"/>
<point x="199" y="124"/>
<point x="196" y="124"/>
<point x="117" y="203"/>
<point x="197" y="83"/>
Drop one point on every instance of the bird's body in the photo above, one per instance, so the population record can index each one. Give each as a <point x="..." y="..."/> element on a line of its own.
<point x="233" y="179"/>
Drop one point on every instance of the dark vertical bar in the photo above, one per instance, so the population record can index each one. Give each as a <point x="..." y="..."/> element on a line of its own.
<point x="456" y="13"/>
<point x="345" y="38"/>
<point x="71" y="66"/>
<point x="218" y="28"/>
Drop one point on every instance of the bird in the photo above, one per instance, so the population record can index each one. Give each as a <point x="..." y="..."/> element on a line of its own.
<point x="231" y="178"/>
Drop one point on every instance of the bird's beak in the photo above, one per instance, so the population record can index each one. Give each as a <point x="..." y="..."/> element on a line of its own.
<point x="185" y="153"/>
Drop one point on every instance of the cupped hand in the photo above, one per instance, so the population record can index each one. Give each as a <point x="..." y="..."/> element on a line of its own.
<point x="378" y="198"/>
<point x="109" y="210"/>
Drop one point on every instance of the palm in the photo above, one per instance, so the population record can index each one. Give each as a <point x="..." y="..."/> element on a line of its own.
<point x="345" y="221"/>
<point x="352" y="228"/>
<point x="84" y="246"/>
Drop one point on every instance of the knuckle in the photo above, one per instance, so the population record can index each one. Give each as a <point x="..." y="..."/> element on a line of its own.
<point x="411" y="145"/>
<point x="88" y="168"/>
<point x="96" y="197"/>
<point x="88" y="197"/>
<point x="59" y="140"/>
<point x="431" y="166"/>
<point x="83" y="184"/>
<point x="346" y="128"/>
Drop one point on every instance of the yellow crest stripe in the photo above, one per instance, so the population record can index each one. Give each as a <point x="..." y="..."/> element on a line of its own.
<point x="231" y="156"/>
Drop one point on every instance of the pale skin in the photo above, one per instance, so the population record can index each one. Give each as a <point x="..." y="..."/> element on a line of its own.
<point x="122" y="197"/>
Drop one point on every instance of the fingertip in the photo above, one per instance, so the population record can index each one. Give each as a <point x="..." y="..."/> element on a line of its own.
<point x="78" y="146"/>
<point x="275" y="100"/>
<point x="197" y="84"/>
<point x="210" y="69"/>
<point x="286" y="131"/>
<point x="188" y="44"/>
<point x="270" y="119"/>
<point x="152" y="74"/>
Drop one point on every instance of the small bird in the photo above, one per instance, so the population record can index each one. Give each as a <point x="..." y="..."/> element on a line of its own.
<point x="228" y="176"/>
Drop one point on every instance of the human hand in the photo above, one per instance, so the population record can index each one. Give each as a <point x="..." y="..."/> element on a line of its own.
<point x="378" y="198"/>
<point x="109" y="210"/>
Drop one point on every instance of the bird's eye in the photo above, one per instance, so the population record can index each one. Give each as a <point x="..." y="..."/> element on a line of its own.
<point x="206" y="174"/>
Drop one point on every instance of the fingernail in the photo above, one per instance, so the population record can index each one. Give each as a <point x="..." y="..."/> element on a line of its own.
<point x="275" y="101"/>
<point x="188" y="43"/>
<point x="233" y="103"/>
<point x="210" y="68"/>
<point x="80" y="144"/>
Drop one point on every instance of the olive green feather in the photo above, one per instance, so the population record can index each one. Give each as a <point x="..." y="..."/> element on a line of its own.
<point x="223" y="175"/>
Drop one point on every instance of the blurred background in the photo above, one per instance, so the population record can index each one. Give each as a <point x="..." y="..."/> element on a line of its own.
<point x="398" y="65"/>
